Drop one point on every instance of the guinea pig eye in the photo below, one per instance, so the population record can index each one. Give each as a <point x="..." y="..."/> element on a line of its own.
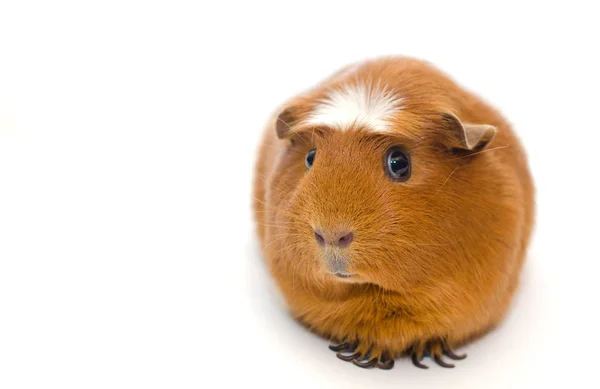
<point x="310" y="158"/>
<point x="397" y="164"/>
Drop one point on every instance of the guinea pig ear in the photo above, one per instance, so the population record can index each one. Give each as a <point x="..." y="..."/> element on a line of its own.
<point x="468" y="136"/>
<point x="284" y="123"/>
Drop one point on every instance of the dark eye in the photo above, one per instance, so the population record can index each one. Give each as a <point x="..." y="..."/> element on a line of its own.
<point x="310" y="158"/>
<point x="397" y="164"/>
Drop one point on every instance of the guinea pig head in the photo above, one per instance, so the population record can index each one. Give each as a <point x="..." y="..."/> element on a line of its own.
<point x="364" y="204"/>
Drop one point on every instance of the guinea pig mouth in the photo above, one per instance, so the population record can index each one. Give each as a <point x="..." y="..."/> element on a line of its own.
<point x="338" y="266"/>
<point x="343" y="275"/>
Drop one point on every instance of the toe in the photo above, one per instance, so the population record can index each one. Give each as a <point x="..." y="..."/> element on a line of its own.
<point x="347" y="358"/>
<point x="440" y="362"/>
<point x="366" y="364"/>
<point x="447" y="351"/>
<point x="385" y="362"/>
<point x="416" y="360"/>
<point x="339" y="347"/>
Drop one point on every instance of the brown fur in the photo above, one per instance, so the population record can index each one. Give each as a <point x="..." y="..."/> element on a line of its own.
<point x="437" y="258"/>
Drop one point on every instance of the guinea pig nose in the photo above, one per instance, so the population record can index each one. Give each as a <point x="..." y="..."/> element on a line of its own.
<point x="319" y="238"/>
<point x="344" y="239"/>
<point x="341" y="239"/>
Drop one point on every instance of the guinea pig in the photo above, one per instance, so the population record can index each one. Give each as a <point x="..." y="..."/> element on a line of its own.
<point x="394" y="210"/>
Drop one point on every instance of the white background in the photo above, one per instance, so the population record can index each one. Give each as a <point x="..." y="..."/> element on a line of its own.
<point x="128" y="132"/>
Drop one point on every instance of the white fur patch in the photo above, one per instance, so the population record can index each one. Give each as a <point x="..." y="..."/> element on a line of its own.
<point x="366" y="105"/>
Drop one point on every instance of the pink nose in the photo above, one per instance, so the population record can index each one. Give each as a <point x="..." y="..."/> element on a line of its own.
<point x="341" y="239"/>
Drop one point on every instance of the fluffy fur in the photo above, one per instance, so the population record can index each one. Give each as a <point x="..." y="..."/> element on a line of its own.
<point x="367" y="105"/>
<point x="436" y="259"/>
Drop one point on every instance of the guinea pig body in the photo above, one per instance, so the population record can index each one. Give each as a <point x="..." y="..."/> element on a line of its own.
<point x="394" y="210"/>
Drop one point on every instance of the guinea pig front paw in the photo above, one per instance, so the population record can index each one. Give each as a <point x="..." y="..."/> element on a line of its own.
<point x="363" y="355"/>
<point x="435" y="349"/>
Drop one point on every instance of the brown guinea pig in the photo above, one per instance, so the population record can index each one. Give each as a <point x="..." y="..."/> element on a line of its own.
<point x="394" y="210"/>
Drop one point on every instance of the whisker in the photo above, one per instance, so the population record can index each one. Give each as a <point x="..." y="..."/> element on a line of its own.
<point x="285" y="234"/>
<point x="286" y="224"/>
<point x="273" y="241"/>
<point x="280" y="237"/>
<point x="435" y="244"/>
<point x="272" y="183"/>
<point x="438" y="191"/>
<point x="288" y="249"/>
<point x="484" y="151"/>
<point x="276" y="225"/>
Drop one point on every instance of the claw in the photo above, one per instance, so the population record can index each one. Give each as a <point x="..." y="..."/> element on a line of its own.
<point x="450" y="354"/>
<point x="365" y="365"/>
<point x="339" y="347"/>
<point x="385" y="364"/>
<point x="440" y="362"/>
<point x="418" y="363"/>
<point x="347" y="358"/>
<point x="362" y="358"/>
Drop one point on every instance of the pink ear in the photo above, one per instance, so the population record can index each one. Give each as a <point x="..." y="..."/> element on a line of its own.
<point x="285" y="121"/>
<point x="470" y="136"/>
